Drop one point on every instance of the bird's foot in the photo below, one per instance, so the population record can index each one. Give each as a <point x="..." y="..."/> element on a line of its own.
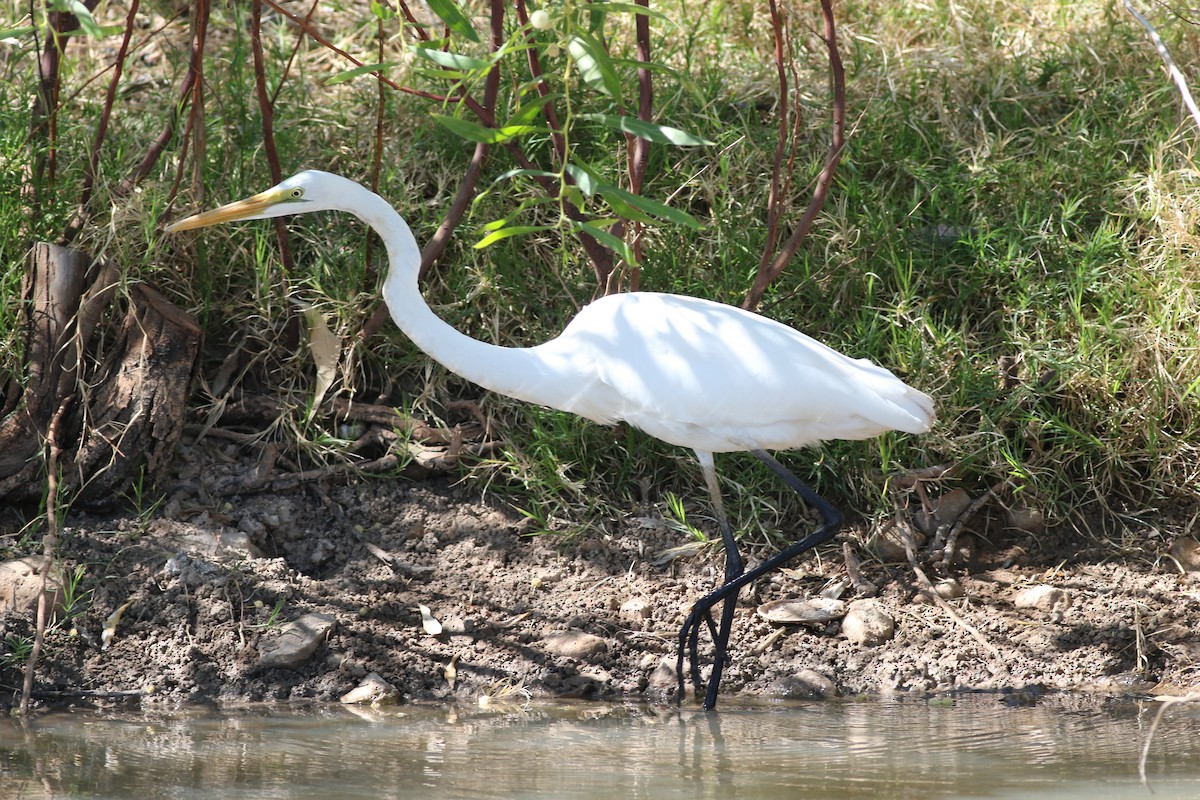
<point x="689" y="642"/>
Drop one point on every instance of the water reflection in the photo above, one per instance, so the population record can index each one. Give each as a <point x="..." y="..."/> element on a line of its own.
<point x="976" y="747"/>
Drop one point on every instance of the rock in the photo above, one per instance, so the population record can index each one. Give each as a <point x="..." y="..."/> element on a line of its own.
<point x="807" y="684"/>
<point x="814" y="611"/>
<point x="1043" y="598"/>
<point x="1187" y="552"/>
<point x="887" y="542"/>
<point x="663" y="677"/>
<point x="866" y="623"/>
<point x="224" y="539"/>
<point x="575" y="644"/>
<point x="635" y="611"/>
<point x="944" y="510"/>
<point x="297" y="641"/>
<point x="1022" y="518"/>
<point x="191" y="571"/>
<point x="374" y="690"/>
<point x="20" y="581"/>
<point x="949" y="589"/>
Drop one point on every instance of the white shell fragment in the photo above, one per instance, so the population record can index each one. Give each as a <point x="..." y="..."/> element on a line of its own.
<point x="428" y="623"/>
<point x="814" y="611"/>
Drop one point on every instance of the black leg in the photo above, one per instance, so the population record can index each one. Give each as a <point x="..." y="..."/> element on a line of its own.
<point x="735" y="579"/>
<point x="689" y="634"/>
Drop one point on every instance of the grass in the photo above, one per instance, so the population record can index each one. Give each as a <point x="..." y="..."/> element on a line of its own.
<point x="1013" y="229"/>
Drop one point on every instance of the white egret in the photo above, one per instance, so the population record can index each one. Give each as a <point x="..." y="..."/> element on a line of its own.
<point x="691" y="372"/>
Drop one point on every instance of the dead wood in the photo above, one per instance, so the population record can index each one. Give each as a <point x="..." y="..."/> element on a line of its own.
<point x="122" y="409"/>
<point x="136" y="414"/>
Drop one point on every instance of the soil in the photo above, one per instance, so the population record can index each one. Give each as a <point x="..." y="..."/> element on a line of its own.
<point x="208" y="588"/>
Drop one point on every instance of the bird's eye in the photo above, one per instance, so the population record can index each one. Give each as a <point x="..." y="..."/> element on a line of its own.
<point x="297" y="193"/>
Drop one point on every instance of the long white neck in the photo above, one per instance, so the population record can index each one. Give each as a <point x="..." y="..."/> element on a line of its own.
<point x="539" y="374"/>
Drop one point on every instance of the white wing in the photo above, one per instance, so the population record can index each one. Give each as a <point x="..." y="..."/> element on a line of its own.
<point x="714" y="377"/>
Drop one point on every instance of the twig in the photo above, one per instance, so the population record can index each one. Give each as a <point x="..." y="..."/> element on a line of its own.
<point x="925" y="587"/>
<point x="49" y="551"/>
<point x="824" y="180"/>
<point x="1191" y="697"/>
<point x="89" y="177"/>
<point x="266" y="109"/>
<point x="1172" y="70"/>
<point x="951" y="536"/>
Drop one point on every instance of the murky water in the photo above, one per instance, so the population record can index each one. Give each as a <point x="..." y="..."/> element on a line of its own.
<point x="973" y="747"/>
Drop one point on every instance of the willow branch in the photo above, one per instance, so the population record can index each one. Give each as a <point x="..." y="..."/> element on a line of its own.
<point x="266" y="109"/>
<point x="824" y="180"/>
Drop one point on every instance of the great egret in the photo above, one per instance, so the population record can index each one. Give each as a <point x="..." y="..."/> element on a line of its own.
<point x="691" y="372"/>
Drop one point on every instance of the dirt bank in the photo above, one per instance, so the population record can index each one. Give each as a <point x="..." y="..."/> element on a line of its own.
<point x="211" y="589"/>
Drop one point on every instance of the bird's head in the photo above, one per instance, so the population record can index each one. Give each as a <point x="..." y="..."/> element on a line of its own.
<point x="310" y="190"/>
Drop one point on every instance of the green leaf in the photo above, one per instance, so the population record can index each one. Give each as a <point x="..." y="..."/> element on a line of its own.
<point x="473" y="131"/>
<point x="604" y="237"/>
<point x="585" y="179"/>
<point x="595" y="66"/>
<point x="526" y="114"/>
<point x="449" y="13"/>
<point x="651" y="131"/>
<point x="351" y="74"/>
<point x="451" y="60"/>
<point x="506" y="233"/>
<point x="16" y="33"/>
<point x="628" y="8"/>
<point x="533" y="173"/>
<point x="649" y="206"/>
<point x="87" y="23"/>
<point x="465" y="129"/>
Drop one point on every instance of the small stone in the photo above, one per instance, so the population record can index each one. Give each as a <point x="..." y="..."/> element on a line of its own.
<point x="888" y="541"/>
<point x="1043" y="597"/>
<point x="866" y="623"/>
<point x="297" y="641"/>
<point x="20" y="582"/>
<point x="1187" y="552"/>
<point x="814" y="611"/>
<point x="635" y="611"/>
<point x="374" y="690"/>
<point x="229" y="540"/>
<point x="575" y="644"/>
<point x="663" y="677"/>
<point x="944" y="510"/>
<point x="949" y="589"/>
<point x="1022" y="518"/>
<point x="807" y="684"/>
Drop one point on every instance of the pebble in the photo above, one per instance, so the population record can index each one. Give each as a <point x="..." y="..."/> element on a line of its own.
<point x="946" y="510"/>
<point x="575" y="644"/>
<point x="229" y="540"/>
<point x="807" y="684"/>
<point x="1187" y="552"/>
<point x="663" y="677"/>
<point x="866" y="623"/>
<point x="296" y="643"/>
<point x="1042" y="597"/>
<point x="635" y="610"/>
<point x="1023" y="518"/>
<point x="20" y="580"/>
<point x="949" y="589"/>
<point x="374" y="690"/>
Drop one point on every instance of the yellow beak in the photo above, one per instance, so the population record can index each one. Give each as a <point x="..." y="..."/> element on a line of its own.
<point x="231" y="212"/>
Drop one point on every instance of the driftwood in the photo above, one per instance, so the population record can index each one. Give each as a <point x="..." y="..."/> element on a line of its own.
<point x="122" y="409"/>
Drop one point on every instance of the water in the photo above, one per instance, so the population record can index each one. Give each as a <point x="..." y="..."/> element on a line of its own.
<point x="975" y="747"/>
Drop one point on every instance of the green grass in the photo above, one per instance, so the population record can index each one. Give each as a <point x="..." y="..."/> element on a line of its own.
<point x="1017" y="189"/>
